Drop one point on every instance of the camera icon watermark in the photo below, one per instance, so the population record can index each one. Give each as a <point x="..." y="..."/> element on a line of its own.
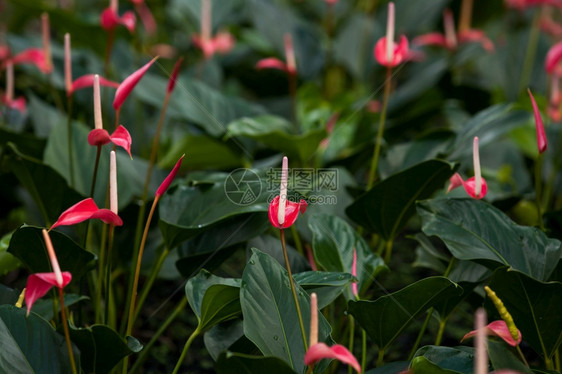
<point x="245" y="186"/>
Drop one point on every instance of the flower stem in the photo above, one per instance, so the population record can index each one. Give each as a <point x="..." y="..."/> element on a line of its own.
<point x="382" y="119"/>
<point x="380" y="359"/>
<point x="522" y="356"/>
<point x="420" y="335"/>
<point x="185" y="349"/>
<point x="94" y="177"/>
<point x="530" y="53"/>
<point x="293" y="289"/>
<point x="439" y="336"/>
<point x="108" y="273"/>
<point x="66" y="333"/>
<point x="142" y="356"/>
<point x="351" y="338"/>
<point x="109" y="47"/>
<point x="538" y="192"/>
<point x="70" y="142"/>
<point x="364" y="350"/>
<point x="388" y="250"/>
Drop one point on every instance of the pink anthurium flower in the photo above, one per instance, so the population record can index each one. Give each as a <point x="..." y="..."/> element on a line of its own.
<point x="120" y="137"/>
<point x="387" y="52"/>
<point x="8" y="99"/>
<point x="289" y="67"/>
<point x="541" y="136"/>
<point x="498" y="328"/>
<point x="354" y="273"/>
<point x="35" y="56"/>
<point x="451" y="39"/>
<point x="523" y="4"/>
<point x="86" y="209"/>
<point x="223" y="41"/>
<point x="87" y="80"/>
<point x="318" y="351"/>
<point x="282" y="212"/>
<point x="39" y="284"/>
<point x="129" y="84"/>
<point x="553" y="57"/>
<point x="168" y="180"/>
<point x="146" y="16"/>
<point x="110" y="19"/>
<point x="475" y="186"/>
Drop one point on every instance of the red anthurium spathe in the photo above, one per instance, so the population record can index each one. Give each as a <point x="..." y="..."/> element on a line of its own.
<point x="451" y="39"/>
<point x="223" y="41"/>
<point x="318" y="351"/>
<point x="120" y="137"/>
<point x="553" y="56"/>
<point x="498" y="328"/>
<point x="146" y="16"/>
<point x="282" y="212"/>
<point x="541" y="136"/>
<point x="475" y="186"/>
<point x="387" y="52"/>
<point x="35" y="56"/>
<point x="39" y="284"/>
<point x="8" y="99"/>
<point x="126" y="87"/>
<point x="290" y="66"/>
<point x="354" y="273"/>
<point x="87" y="80"/>
<point x="110" y="19"/>
<point x="86" y="209"/>
<point x="166" y="183"/>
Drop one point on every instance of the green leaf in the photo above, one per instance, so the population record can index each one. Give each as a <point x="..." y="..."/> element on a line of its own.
<point x="51" y="198"/>
<point x="277" y="133"/>
<point x="536" y="308"/>
<point x="7" y="261"/>
<point x="385" y="318"/>
<point x="44" y="307"/>
<point x="30" y="344"/>
<point x="203" y="152"/>
<point x="333" y="242"/>
<point x="8" y="295"/>
<point x="222" y="336"/>
<point x="388" y="206"/>
<point x="270" y="318"/>
<point x="229" y="363"/>
<point x="475" y="230"/>
<point x="102" y="347"/>
<point x="28" y="246"/>
<point x="213" y="299"/>
<point x="390" y="368"/>
<point x="196" y="102"/>
<point x="26" y="143"/>
<point x="501" y="357"/>
<point x="190" y="210"/>
<point x="443" y="360"/>
<point x="327" y="285"/>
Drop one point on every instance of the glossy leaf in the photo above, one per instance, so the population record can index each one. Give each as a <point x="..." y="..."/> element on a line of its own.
<point x="443" y="360"/>
<point x="51" y="198"/>
<point x="536" y="308"/>
<point x="474" y="230"/>
<point x="385" y="318"/>
<point x="220" y="337"/>
<point x="188" y="211"/>
<point x="30" y="344"/>
<point x="327" y="285"/>
<point x="333" y="242"/>
<point x="230" y="362"/>
<point x="270" y="318"/>
<point x="7" y="261"/>
<point x="501" y="357"/>
<point x="102" y="347"/>
<point x="28" y="246"/>
<point x="196" y="102"/>
<point x="213" y="299"/>
<point x="277" y="133"/>
<point x="375" y="211"/>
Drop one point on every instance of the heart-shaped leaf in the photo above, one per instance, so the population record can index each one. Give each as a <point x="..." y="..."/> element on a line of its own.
<point x="102" y="347"/>
<point x="536" y="308"/>
<point x="213" y="299"/>
<point x="501" y="357"/>
<point x="475" y="230"/>
<point x="28" y="246"/>
<point x="443" y="360"/>
<point x="270" y="317"/>
<point x="388" y="206"/>
<point x="385" y="318"/>
<point x="277" y="133"/>
<point x="30" y="344"/>
<point x="333" y="242"/>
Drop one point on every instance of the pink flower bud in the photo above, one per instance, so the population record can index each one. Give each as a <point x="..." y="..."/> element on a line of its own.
<point x="166" y="183"/>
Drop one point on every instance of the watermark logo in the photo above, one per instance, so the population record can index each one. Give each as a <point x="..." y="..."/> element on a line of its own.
<point x="243" y="186"/>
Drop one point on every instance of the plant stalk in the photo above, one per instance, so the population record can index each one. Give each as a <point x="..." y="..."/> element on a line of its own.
<point x="69" y="144"/>
<point x="185" y="349"/>
<point x="382" y="120"/>
<point x="538" y="191"/>
<point x="66" y="333"/>
<point x="293" y="289"/>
